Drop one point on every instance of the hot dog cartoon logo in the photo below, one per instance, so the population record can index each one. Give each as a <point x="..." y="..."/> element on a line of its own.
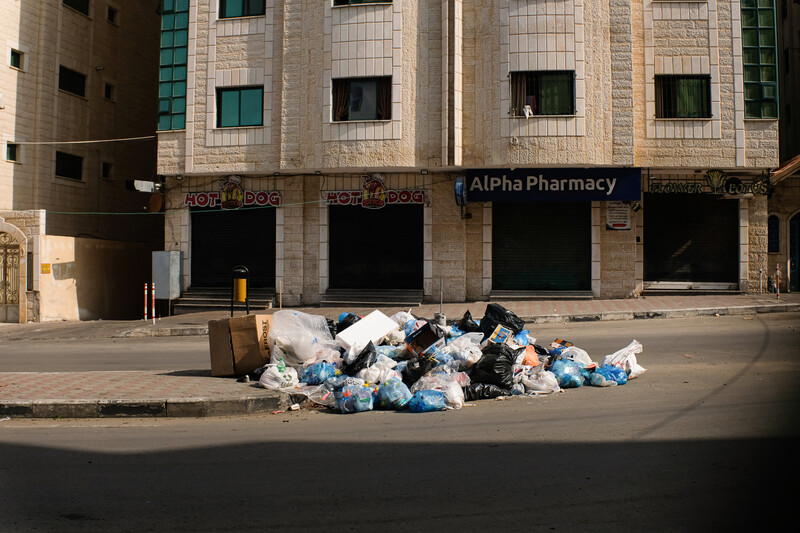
<point x="231" y="194"/>
<point x="373" y="193"/>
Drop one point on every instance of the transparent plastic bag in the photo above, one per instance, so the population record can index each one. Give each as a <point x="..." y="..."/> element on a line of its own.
<point x="354" y="399"/>
<point x="425" y="401"/>
<point x="275" y="378"/>
<point x="626" y="360"/>
<point x="300" y="337"/>
<point x="393" y="394"/>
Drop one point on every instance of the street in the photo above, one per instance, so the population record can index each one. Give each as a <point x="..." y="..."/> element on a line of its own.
<point x="705" y="440"/>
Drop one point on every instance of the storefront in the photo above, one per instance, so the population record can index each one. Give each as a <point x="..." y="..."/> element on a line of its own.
<point x="375" y="236"/>
<point x="692" y="229"/>
<point x="541" y="223"/>
<point x="231" y="227"/>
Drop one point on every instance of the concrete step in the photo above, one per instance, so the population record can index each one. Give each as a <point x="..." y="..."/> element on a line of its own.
<point x="540" y="295"/>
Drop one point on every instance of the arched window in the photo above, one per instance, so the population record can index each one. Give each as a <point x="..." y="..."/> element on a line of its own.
<point x="773" y="234"/>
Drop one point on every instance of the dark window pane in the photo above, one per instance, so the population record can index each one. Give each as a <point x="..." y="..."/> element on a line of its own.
<point x="69" y="166"/>
<point x="241" y="8"/>
<point x="252" y="103"/>
<point x="16" y="59"/>
<point x="71" y="81"/>
<point x="683" y="96"/>
<point x="751" y="55"/>
<point x="749" y="18"/>
<point x="178" y="122"/>
<point x="11" y="152"/>
<point x="164" y="122"/>
<point x="78" y="5"/>
<point x="749" y="37"/>
<point x="773" y="234"/>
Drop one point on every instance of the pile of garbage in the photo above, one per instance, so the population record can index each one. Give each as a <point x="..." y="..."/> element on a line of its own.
<point x="380" y="362"/>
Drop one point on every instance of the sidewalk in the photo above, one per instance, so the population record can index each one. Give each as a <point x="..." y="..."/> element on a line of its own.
<point x="193" y="394"/>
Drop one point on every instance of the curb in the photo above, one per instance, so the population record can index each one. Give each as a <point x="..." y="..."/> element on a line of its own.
<point x="607" y="316"/>
<point x="141" y="408"/>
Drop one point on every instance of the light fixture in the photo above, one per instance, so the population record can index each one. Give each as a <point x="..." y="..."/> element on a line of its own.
<point x="423" y="171"/>
<point x="318" y="173"/>
<point x="179" y="177"/>
<point x="99" y="68"/>
<point x="277" y="174"/>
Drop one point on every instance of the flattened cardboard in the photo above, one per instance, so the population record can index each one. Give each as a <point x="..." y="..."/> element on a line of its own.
<point x="219" y="342"/>
<point x="238" y="345"/>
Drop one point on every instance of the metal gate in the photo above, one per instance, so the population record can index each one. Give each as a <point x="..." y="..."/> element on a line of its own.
<point x="9" y="278"/>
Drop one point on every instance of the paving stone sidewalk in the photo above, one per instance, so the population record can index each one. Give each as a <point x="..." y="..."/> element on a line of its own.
<point x="196" y="393"/>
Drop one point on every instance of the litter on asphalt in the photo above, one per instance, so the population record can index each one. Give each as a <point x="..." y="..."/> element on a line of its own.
<point x="407" y="362"/>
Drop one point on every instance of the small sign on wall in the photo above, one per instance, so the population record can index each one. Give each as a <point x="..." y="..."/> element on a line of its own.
<point x="618" y="216"/>
<point x="46" y="268"/>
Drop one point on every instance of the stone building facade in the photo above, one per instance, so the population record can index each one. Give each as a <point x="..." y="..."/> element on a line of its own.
<point x="585" y="173"/>
<point x="75" y="71"/>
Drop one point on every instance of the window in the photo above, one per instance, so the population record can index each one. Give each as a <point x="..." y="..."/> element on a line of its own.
<point x="108" y="92"/>
<point x="12" y="152"/>
<point x="69" y="166"/>
<point x="106" y="170"/>
<point x="240" y="106"/>
<point x="78" y="5"/>
<point x="773" y="234"/>
<point x="362" y="99"/>
<point x="173" y="61"/>
<point x="16" y="59"/>
<point x="111" y="15"/>
<point x="546" y="92"/>
<point x="71" y="81"/>
<point x="683" y="96"/>
<point x="760" y="64"/>
<point x="350" y="2"/>
<point x="240" y="8"/>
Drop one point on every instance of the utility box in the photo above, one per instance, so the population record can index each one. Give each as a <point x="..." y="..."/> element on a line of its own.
<point x="167" y="275"/>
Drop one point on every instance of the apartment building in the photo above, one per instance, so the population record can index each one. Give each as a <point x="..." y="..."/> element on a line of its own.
<point x="469" y="149"/>
<point x="75" y="71"/>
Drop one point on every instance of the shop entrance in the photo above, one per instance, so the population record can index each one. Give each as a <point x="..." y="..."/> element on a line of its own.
<point x="223" y="239"/>
<point x="541" y="246"/>
<point x="375" y="248"/>
<point x="691" y="238"/>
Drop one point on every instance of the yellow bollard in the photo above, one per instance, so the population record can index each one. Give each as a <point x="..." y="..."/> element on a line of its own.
<point x="240" y="290"/>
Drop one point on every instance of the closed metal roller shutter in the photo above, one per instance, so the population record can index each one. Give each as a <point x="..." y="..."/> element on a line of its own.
<point x="223" y="239"/>
<point x="691" y="237"/>
<point x="375" y="248"/>
<point x="544" y="246"/>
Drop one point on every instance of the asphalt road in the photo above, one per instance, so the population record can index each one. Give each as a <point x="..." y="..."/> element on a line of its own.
<point x="705" y="440"/>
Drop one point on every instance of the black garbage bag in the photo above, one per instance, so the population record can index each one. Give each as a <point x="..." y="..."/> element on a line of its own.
<point x="467" y="324"/>
<point x="483" y="391"/>
<point x="346" y="322"/>
<point x="540" y="350"/>
<point x="495" y="367"/>
<point x="415" y="369"/>
<point x="365" y="359"/>
<point x="497" y="315"/>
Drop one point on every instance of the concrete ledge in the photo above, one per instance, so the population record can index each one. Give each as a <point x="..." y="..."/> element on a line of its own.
<point x="64" y="409"/>
<point x="617" y="315"/>
<point x="134" y="408"/>
<point x="16" y="409"/>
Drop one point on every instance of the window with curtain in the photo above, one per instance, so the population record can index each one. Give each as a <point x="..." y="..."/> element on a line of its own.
<point x="362" y="99"/>
<point x="759" y="57"/>
<point x="240" y="8"/>
<point x="240" y="106"/>
<point x="773" y="234"/>
<point x="545" y="92"/>
<point x="173" y="64"/>
<point x="680" y="96"/>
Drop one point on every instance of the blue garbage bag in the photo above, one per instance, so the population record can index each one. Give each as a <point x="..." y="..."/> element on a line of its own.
<point x="521" y="338"/>
<point x="354" y="399"/>
<point x="393" y="394"/>
<point x="318" y="373"/>
<point x="425" y="401"/>
<point x="613" y="373"/>
<point x="568" y="374"/>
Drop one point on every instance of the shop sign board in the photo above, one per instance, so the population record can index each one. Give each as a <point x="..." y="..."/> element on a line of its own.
<point x="714" y="182"/>
<point x="554" y="184"/>
<point x="232" y="195"/>
<point x="374" y="195"/>
<point x="618" y="216"/>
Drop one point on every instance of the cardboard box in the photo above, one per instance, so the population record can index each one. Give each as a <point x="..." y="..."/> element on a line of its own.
<point x="419" y="341"/>
<point x="238" y="345"/>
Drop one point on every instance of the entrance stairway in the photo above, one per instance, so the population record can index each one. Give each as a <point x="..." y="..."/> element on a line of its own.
<point x="500" y="296"/>
<point x="199" y="299"/>
<point x="401" y="298"/>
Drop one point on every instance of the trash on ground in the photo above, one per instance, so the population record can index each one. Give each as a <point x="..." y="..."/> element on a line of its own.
<point x="408" y="362"/>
